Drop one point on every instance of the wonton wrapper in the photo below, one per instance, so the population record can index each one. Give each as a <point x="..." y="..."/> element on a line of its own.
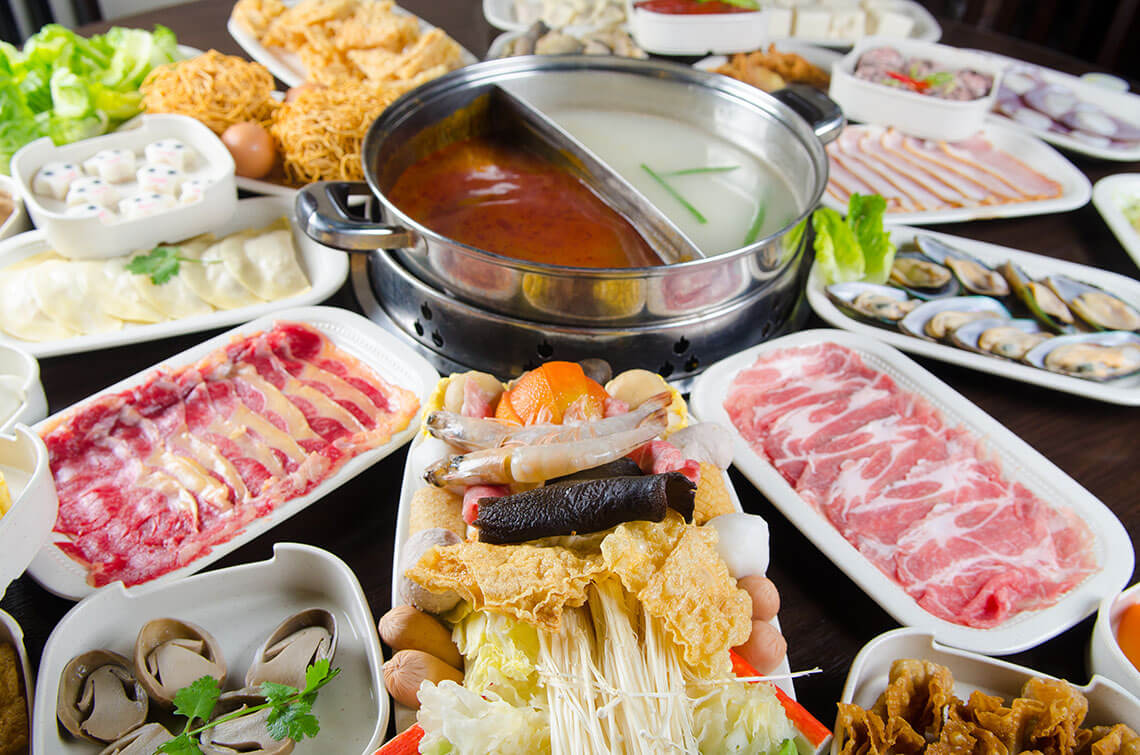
<point x="1113" y="740"/>
<point x="1064" y="710"/>
<point x="266" y="262"/>
<point x="211" y="280"/>
<point x="917" y="692"/>
<point x="530" y="583"/>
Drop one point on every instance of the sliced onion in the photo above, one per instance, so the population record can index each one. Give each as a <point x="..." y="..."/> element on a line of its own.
<point x="1051" y="100"/>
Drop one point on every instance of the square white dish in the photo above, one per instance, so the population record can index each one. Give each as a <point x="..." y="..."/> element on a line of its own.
<point x="27" y="525"/>
<point x="918" y="114"/>
<point x="867" y="678"/>
<point x="90" y="237"/>
<point x="1123" y="105"/>
<point x="1019" y="462"/>
<point x="287" y="66"/>
<point x="1124" y="391"/>
<point x="11" y="632"/>
<point x="240" y="606"/>
<point x="1109" y="194"/>
<point x="1075" y="186"/>
<point x="325" y="267"/>
<point x="925" y="26"/>
<point x="361" y="338"/>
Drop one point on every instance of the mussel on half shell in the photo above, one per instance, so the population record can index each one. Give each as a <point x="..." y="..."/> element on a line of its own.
<point x="971" y="273"/>
<point x="1010" y="339"/>
<point x="1098" y="308"/>
<point x="1092" y="356"/>
<point x="921" y="277"/>
<point x="936" y="320"/>
<point x="869" y="301"/>
<point x="1041" y="301"/>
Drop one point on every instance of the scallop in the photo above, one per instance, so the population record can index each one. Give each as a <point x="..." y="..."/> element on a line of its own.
<point x="1098" y="308"/>
<point x="869" y="301"/>
<point x="1092" y="356"/>
<point x="298" y="642"/>
<point x="99" y="697"/>
<point x="1010" y="339"/>
<point x="171" y="654"/>
<point x="936" y="320"/>
<point x="1041" y="301"/>
<point x="971" y="273"/>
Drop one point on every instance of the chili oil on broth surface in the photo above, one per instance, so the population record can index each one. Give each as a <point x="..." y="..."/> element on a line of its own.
<point x="729" y="187"/>
<point x="507" y="199"/>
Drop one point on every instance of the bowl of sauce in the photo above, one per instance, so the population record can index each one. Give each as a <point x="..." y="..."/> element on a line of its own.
<point x="632" y="190"/>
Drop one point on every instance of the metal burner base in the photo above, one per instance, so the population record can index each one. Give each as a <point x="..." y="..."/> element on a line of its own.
<point x="454" y="336"/>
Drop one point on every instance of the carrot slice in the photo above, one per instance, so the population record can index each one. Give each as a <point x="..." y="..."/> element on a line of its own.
<point x="804" y="721"/>
<point x="406" y="742"/>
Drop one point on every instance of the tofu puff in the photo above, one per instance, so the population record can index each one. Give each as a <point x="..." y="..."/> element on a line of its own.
<point x="574" y="643"/>
<point x="46" y="297"/>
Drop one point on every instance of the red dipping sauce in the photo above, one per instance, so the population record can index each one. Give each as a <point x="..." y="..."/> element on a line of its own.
<point x="690" y="7"/>
<point x="511" y="201"/>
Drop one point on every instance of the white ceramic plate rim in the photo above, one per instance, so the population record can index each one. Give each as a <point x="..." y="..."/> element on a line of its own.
<point x="1075" y="186"/>
<point x="1085" y="91"/>
<point x="326" y="267"/>
<point x="10" y="631"/>
<point x="817" y="55"/>
<point x="357" y="335"/>
<point x="266" y="575"/>
<point x="1106" y="198"/>
<point x="286" y="66"/>
<point x="33" y="407"/>
<point x="1101" y="692"/>
<point x="1125" y="391"/>
<point x="27" y="525"/>
<point x="1020" y="463"/>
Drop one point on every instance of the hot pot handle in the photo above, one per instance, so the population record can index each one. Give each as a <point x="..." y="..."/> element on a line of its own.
<point x="323" y="212"/>
<point x="815" y="107"/>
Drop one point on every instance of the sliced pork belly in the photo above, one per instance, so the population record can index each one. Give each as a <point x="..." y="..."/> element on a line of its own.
<point x="979" y="152"/>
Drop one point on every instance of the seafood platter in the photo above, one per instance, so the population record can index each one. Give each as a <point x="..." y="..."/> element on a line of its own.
<point x="1011" y="313"/>
<point x="429" y="450"/>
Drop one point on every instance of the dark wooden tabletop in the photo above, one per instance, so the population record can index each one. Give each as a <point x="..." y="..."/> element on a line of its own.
<point x="825" y="617"/>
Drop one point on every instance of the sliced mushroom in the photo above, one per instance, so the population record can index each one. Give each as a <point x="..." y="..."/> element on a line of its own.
<point x="247" y="735"/>
<point x="299" y="641"/>
<point x="144" y="740"/>
<point x="99" y="698"/>
<point x="171" y="654"/>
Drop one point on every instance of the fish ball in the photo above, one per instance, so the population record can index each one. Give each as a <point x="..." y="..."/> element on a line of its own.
<point x="765" y="647"/>
<point x="765" y="597"/>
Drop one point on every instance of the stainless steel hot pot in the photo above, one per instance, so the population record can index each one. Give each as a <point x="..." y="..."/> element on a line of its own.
<point x="426" y="119"/>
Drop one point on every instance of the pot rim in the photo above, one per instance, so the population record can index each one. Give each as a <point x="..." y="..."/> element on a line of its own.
<point x="494" y="71"/>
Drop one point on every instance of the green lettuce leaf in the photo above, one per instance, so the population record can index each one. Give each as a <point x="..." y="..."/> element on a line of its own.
<point x="837" y="253"/>
<point x="865" y="216"/>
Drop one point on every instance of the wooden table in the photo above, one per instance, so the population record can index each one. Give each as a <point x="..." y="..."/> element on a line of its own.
<point x="826" y="618"/>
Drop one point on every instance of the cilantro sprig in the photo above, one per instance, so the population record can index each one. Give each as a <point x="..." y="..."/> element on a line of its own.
<point x="161" y="264"/>
<point x="290" y="709"/>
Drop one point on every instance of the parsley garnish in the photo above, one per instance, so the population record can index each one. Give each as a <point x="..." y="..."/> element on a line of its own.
<point x="290" y="709"/>
<point x="161" y="264"/>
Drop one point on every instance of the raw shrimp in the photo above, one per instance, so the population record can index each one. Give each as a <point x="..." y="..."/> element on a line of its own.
<point x="536" y="463"/>
<point x="470" y="434"/>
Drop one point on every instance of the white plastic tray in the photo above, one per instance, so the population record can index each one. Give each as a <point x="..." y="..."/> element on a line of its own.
<point x="1120" y="391"/>
<point x="240" y="606"/>
<point x="867" y="678"/>
<point x="1123" y="105"/>
<point x="287" y="66"/>
<point x="358" y="336"/>
<point x="1019" y="462"/>
<point x="1075" y="187"/>
<point x="91" y="238"/>
<point x="10" y="631"/>
<point x="33" y="408"/>
<point x="1108" y="195"/>
<point x="27" y="525"/>
<point x="325" y="267"/>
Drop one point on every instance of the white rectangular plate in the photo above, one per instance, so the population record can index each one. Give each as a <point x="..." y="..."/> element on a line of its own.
<point x="362" y="338"/>
<point x="1019" y="462"/>
<point x="1109" y="196"/>
<point x="1075" y="187"/>
<point x="287" y="66"/>
<point x="240" y="606"/>
<point x="869" y="673"/>
<point x="1120" y="391"/>
<point x="1122" y="105"/>
<point x="325" y="267"/>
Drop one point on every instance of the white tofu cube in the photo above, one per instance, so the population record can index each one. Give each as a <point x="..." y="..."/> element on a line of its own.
<point x="55" y="179"/>
<point x="161" y="179"/>
<point x="90" y="210"/>
<point x="890" y="23"/>
<point x="112" y="165"/>
<point x="847" y="24"/>
<point x="192" y="190"/>
<point x="812" y="22"/>
<point x="145" y="204"/>
<point x="779" y="22"/>
<point x="170" y="152"/>
<point x="92" y="190"/>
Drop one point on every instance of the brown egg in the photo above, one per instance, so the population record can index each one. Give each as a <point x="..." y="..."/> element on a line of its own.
<point x="252" y="149"/>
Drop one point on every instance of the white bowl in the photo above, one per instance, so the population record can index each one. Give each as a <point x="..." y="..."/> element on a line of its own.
<point x="918" y="114"/>
<point x="240" y="606"/>
<point x="11" y="632"/>
<point x="18" y="221"/>
<point x="33" y="408"/>
<point x="90" y="237"/>
<point x="697" y="34"/>
<point x="25" y="528"/>
<point x="1105" y="656"/>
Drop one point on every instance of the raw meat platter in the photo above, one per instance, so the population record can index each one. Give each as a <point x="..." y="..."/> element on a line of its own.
<point x="1124" y="390"/>
<point x="1029" y="475"/>
<point x="239" y="605"/>
<point x="360" y="339"/>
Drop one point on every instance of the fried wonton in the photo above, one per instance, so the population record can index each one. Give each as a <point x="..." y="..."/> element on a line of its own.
<point x="1111" y="740"/>
<point x="1064" y="710"/>
<point x="917" y="692"/>
<point x="863" y="732"/>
